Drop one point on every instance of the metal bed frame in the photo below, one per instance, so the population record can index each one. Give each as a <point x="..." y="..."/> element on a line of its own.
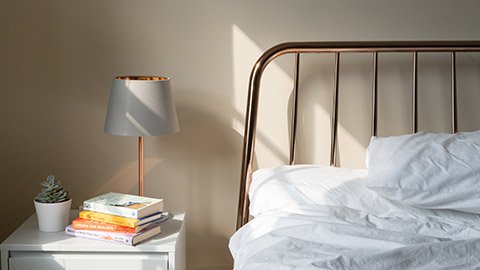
<point x="336" y="48"/>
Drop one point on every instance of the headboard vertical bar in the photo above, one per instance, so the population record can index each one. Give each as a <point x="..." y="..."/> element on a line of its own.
<point x="293" y="134"/>
<point x="374" y="94"/>
<point x="333" y="150"/>
<point x="249" y="142"/>
<point x="454" y="94"/>
<point x="414" y="93"/>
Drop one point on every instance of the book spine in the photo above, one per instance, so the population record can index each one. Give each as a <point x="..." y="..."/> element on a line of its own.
<point x="100" y="226"/>
<point x="123" y="221"/>
<point x="112" y="210"/>
<point x="96" y="235"/>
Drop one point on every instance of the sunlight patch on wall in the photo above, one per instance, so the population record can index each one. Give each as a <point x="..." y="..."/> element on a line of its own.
<point x="316" y="94"/>
<point x="351" y="150"/>
<point x="245" y="53"/>
<point x="313" y="139"/>
<point x="272" y="143"/>
<point x="272" y="135"/>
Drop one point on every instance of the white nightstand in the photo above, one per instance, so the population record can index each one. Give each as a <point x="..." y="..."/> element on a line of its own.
<point x="29" y="248"/>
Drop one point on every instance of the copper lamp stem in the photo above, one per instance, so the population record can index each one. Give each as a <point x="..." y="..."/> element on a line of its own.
<point x="141" y="165"/>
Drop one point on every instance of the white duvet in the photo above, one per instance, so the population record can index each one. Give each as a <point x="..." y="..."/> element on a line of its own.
<point x="343" y="225"/>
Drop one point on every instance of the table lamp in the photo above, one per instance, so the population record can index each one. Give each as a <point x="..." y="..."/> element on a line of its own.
<point x="141" y="106"/>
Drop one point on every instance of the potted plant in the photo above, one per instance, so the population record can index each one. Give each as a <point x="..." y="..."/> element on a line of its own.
<point x="52" y="205"/>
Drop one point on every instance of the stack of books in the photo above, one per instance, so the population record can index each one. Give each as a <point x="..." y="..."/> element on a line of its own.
<point x="121" y="218"/>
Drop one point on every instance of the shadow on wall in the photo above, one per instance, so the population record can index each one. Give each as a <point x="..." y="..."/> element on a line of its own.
<point x="197" y="175"/>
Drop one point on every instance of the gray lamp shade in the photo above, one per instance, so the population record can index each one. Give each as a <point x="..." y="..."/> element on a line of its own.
<point x="141" y="106"/>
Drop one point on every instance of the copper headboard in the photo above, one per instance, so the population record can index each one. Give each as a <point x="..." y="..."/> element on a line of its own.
<point x="336" y="48"/>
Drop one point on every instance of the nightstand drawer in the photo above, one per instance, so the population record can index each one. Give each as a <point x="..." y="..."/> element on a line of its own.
<point x="85" y="260"/>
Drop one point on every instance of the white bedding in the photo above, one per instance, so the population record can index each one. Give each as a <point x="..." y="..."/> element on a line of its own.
<point x="427" y="170"/>
<point x="351" y="229"/>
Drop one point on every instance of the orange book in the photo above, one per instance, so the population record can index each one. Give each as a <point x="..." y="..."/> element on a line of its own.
<point x="92" y="225"/>
<point x="122" y="221"/>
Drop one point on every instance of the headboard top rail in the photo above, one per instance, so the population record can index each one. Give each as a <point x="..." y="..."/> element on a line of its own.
<point x="370" y="46"/>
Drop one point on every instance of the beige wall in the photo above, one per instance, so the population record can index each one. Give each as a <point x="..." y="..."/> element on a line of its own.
<point x="57" y="58"/>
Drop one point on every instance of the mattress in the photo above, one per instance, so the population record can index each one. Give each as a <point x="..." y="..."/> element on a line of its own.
<point x="314" y="217"/>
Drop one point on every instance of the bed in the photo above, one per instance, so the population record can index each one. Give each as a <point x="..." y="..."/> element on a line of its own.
<point x="415" y="206"/>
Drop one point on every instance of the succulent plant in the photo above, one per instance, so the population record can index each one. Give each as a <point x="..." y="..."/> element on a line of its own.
<point x="52" y="191"/>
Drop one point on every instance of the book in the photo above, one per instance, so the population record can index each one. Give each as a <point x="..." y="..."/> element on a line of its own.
<point x="122" y="238"/>
<point x="125" y="205"/>
<point x="118" y="220"/>
<point x="92" y="225"/>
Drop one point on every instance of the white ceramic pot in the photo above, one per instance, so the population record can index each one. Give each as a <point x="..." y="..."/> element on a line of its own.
<point x="52" y="217"/>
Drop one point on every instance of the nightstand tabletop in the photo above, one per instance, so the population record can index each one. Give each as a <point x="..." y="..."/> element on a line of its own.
<point x="28" y="237"/>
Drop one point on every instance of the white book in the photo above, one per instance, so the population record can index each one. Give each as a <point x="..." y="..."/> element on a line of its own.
<point x="124" y="205"/>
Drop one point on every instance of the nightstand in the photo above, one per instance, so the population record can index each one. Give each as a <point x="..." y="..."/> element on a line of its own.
<point x="29" y="248"/>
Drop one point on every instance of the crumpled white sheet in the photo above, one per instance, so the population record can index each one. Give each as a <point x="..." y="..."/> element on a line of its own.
<point x="341" y="224"/>
<point x="338" y="237"/>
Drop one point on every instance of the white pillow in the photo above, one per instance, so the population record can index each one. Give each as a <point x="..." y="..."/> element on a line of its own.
<point x="277" y="188"/>
<point x="436" y="171"/>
